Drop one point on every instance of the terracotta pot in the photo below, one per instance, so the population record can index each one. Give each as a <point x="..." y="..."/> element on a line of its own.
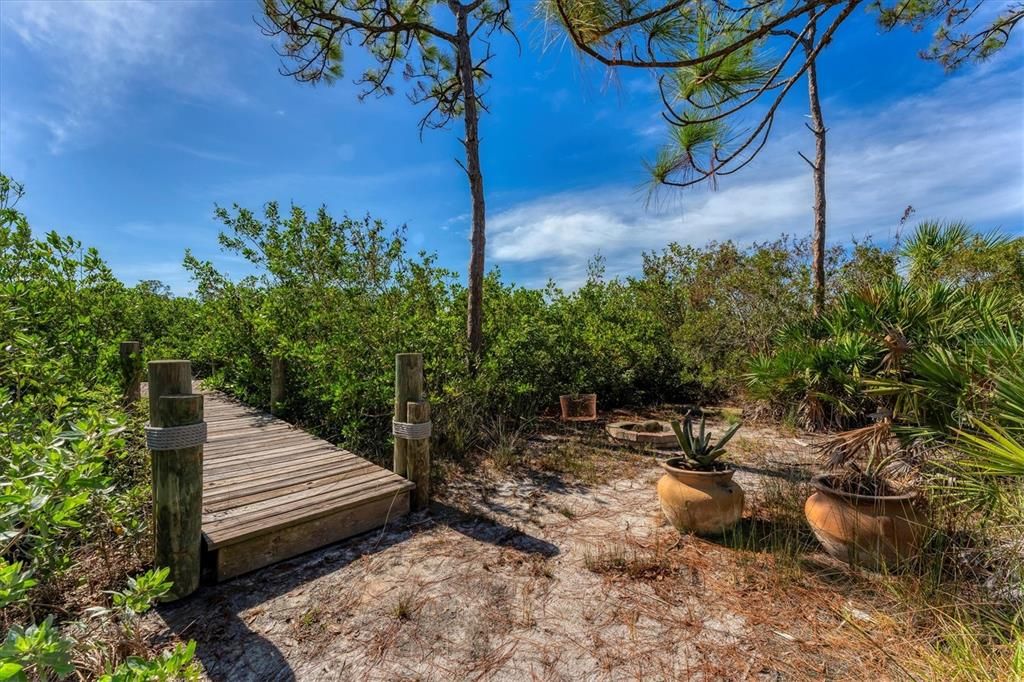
<point x="703" y="502"/>
<point x="864" y="530"/>
<point x="579" y="408"/>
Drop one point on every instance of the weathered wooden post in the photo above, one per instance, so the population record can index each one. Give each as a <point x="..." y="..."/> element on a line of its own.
<point x="175" y="437"/>
<point x="418" y="453"/>
<point x="131" y="371"/>
<point x="277" y="377"/>
<point x="408" y="387"/>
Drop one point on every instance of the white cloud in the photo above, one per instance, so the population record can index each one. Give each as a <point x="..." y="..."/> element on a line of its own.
<point x="957" y="152"/>
<point x="461" y="219"/>
<point x="96" y="52"/>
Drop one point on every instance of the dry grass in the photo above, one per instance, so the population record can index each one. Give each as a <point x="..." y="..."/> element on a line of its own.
<point x="406" y="605"/>
<point x="634" y="562"/>
<point x="504" y="441"/>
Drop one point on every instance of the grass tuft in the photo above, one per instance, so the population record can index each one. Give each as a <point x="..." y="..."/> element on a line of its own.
<point x="405" y="606"/>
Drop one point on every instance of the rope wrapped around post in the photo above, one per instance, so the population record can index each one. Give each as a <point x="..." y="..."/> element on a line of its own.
<point x="175" y="437"/>
<point x="410" y="431"/>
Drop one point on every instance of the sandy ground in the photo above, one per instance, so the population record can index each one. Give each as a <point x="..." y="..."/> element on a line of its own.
<point x="525" y="573"/>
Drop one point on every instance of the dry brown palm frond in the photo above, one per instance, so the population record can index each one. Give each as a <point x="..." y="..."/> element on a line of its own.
<point x="812" y="412"/>
<point x="897" y="347"/>
<point x="842" y="449"/>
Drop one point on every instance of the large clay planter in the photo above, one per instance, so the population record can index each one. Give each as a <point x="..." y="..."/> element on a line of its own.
<point x="579" y="408"/>
<point x="864" y="530"/>
<point x="703" y="502"/>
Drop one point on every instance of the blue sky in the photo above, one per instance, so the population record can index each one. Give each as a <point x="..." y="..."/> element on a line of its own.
<point x="127" y="122"/>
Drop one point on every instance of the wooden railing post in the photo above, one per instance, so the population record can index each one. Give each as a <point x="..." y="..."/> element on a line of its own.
<point x="177" y="477"/>
<point x="131" y="371"/>
<point x="408" y="387"/>
<point x="418" y="455"/>
<point x="277" y="382"/>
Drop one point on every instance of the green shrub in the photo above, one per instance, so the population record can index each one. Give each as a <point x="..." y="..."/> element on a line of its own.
<point x="720" y="304"/>
<point x="921" y="347"/>
<point x="73" y="479"/>
<point x="338" y="298"/>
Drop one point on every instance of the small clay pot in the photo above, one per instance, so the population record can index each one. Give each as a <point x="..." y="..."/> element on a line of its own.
<point x="873" y="531"/>
<point x="702" y="502"/>
<point x="579" y="408"/>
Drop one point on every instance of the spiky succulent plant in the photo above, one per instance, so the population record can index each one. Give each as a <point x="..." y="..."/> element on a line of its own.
<point x="701" y="454"/>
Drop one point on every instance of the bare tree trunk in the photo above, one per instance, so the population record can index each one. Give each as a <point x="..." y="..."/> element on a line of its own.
<point x="474" y="306"/>
<point x="817" y="127"/>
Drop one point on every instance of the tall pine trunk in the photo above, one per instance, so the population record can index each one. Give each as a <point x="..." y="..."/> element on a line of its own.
<point x="817" y="127"/>
<point x="474" y="305"/>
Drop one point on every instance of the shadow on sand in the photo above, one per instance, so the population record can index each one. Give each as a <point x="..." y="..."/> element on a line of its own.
<point x="230" y="650"/>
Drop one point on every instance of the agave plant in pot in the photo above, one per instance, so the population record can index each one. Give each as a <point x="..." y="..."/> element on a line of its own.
<point x="697" y="492"/>
<point x="864" y="510"/>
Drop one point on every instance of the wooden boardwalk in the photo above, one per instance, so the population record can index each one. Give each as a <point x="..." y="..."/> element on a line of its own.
<point x="272" y="491"/>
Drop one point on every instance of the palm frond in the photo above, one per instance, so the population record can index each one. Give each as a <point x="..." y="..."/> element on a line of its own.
<point x="993" y="451"/>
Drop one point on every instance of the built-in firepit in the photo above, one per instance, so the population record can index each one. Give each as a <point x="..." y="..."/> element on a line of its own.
<point x="653" y="432"/>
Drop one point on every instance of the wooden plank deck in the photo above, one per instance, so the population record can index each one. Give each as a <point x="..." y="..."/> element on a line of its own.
<point x="272" y="491"/>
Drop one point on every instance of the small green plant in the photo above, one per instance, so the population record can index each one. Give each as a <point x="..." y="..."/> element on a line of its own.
<point x="310" y="617"/>
<point x="175" y="664"/>
<point x="35" y="652"/>
<point x="15" y="583"/>
<point x="701" y="455"/>
<point x="141" y="592"/>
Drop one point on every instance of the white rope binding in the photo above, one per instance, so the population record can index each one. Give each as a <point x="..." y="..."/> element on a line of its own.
<point x="411" y="431"/>
<point x="175" y="437"/>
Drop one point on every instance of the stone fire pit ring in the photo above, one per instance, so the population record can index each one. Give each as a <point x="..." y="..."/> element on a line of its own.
<point x="631" y="433"/>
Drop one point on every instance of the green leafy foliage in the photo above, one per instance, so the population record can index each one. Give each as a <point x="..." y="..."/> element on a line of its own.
<point x="141" y="592"/>
<point x="176" y="664"/>
<point x="718" y="305"/>
<point x="337" y="298"/>
<point x="15" y="583"/>
<point x="73" y="474"/>
<point x="925" y="336"/>
<point x="922" y="347"/>
<point x="35" y="652"/>
<point x="923" y="369"/>
<point x="49" y="481"/>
